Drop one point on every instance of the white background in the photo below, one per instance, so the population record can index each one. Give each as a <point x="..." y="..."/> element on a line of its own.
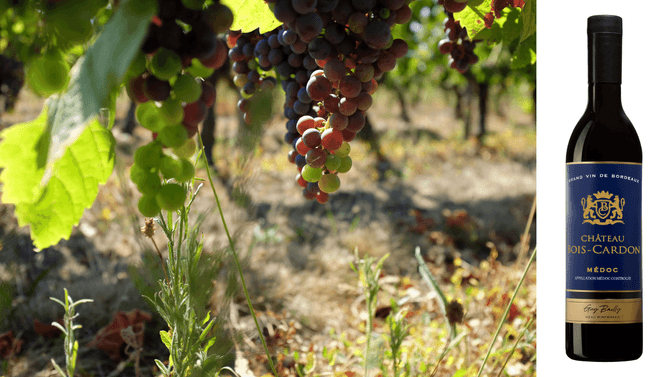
<point x="562" y="95"/>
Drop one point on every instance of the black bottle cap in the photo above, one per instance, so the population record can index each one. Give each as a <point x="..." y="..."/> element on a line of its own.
<point x="604" y="44"/>
<point x="604" y="24"/>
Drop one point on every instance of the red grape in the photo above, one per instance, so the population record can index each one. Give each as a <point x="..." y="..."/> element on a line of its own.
<point x="312" y="138"/>
<point x="331" y="139"/>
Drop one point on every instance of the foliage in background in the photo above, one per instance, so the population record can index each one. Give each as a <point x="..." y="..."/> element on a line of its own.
<point x="506" y="53"/>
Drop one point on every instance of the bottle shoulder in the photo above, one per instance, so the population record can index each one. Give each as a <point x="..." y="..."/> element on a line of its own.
<point x="608" y="136"/>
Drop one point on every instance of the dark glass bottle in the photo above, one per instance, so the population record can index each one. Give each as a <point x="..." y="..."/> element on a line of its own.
<point x="604" y="166"/>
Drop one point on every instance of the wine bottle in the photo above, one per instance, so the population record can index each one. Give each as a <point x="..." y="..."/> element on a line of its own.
<point x="604" y="231"/>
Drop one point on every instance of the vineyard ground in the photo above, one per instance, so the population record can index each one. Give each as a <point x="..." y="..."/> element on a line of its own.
<point x="296" y="253"/>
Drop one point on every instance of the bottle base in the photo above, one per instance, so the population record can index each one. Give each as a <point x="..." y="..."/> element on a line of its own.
<point x="577" y="357"/>
<point x="603" y="342"/>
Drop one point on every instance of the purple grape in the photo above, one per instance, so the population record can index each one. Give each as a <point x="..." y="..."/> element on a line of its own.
<point x="284" y="11"/>
<point x="309" y="26"/>
<point x="377" y="34"/>
<point x="319" y="48"/>
<point x="304" y="6"/>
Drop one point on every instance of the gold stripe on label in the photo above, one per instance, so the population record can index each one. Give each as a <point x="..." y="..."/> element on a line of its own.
<point x="603" y="311"/>
<point x="604" y="162"/>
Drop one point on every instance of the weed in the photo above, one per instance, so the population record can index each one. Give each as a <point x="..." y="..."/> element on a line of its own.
<point x="71" y="345"/>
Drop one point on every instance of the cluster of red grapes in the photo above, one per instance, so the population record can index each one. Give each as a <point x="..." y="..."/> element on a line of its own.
<point x="11" y="81"/>
<point x="457" y="44"/>
<point x="251" y="71"/>
<point x="329" y="55"/>
<point x="165" y="79"/>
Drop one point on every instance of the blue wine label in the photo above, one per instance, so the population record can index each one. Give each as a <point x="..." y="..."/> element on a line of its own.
<point x="604" y="242"/>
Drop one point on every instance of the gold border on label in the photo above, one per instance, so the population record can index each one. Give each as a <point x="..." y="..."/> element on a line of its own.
<point x="603" y="162"/>
<point x="631" y="310"/>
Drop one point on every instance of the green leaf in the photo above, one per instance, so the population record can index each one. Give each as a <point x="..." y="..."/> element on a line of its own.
<point x="428" y="277"/>
<point x="56" y="194"/>
<point x="167" y="340"/>
<point x="73" y="358"/>
<point x="162" y="367"/>
<point x="472" y="17"/>
<point x="461" y="373"/>
<point x="60" y="371"/>
<point x="209" y="344"/>
<point x="250" y="15"/>
<point x="528" y="17"/>
<point x="508" y="28"/>
<point x="53" y="165"/>
<point x="524" y="54"/>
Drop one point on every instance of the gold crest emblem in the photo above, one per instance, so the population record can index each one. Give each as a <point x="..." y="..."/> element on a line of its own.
<point x="603" y="210"/>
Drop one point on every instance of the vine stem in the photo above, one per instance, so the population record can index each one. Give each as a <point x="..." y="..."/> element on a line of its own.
<point x="238" y="265"/>
<point x="509" y="306"/>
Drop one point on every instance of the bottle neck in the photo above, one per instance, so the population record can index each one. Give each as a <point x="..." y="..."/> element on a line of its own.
<point x="604" y="58"/>
<point x="604" y="97"/>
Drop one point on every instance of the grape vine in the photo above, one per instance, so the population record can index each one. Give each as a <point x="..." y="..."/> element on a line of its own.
<point x="329" y="57"/>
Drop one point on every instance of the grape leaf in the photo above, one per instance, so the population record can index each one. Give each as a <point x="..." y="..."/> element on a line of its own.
<point x="51" y="209"/>
<point x="473" y="16"/>
<point x="53" y="165"/>
<point x="528" y="17"/>
<point x="524" y="54"/>
<point x="250" y="15"/>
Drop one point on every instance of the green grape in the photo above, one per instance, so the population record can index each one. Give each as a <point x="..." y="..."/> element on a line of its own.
<point x="187" y="171"/>
<point x="149" y="117"/>
<point x="311" y="174"/>
<point x="165" y="64"/>
<point x="171" y="197"/>
<point x="137" y="174"/>
<point x="48" y="74"/>
<point x="71" y="19"/>
<point x="149" y="183"/>
<point x="172" y="111"/>
<point x="187" y="150"/>
<point x="345" y="165"/>
<point x="187" y="88"/>
<point x="333" y="162"/>
<point x="71" y="30"/>
<point x="329" y="183"/>
<point x="343" y="151"/>
<point x="148" y="206"/>
<point x="170" y="167"/>
<point x="240" y="79"/>
<point x="173" y="136"/>
<point x="148" y="156"/>
<point x="199" y="70"/>
<point x="136" y="67"/>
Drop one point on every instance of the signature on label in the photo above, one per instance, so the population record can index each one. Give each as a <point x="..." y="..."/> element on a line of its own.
<point x="602" y="309"/>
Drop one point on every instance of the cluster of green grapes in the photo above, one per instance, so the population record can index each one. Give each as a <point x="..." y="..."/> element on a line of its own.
<point x="166" y="81"/>
<point x="66" y="23"/>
